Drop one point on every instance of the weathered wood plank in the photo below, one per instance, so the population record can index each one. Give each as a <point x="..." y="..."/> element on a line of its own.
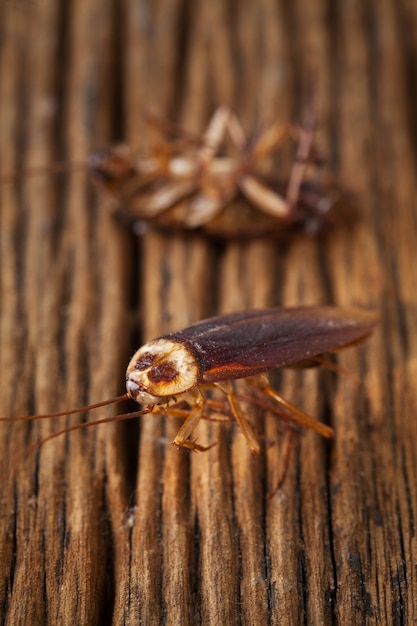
<point x="110" y="525"/>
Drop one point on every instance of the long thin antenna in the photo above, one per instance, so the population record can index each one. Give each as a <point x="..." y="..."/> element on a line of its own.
<point x="39" y="170"/>
<point x="58" y="433"/>
<point x="82" y="409"/>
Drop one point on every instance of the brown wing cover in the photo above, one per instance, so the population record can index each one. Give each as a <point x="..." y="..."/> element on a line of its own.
<point x="243" y="344"/>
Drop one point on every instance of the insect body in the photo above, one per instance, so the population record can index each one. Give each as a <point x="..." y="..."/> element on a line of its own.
<point x="180" y="366"/>
<point x="221" y="349"/>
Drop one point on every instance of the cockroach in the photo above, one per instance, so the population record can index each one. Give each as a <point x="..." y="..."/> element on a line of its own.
<point x="204" y="188"/>
<point x="181" y="366"/>
<point x="222" y="183"/>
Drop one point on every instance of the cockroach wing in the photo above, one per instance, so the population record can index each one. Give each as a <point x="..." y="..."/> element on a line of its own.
<point x="243" y="344"/>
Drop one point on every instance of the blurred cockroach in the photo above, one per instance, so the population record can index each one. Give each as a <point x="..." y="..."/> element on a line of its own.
<point x="213" y="353"/>
<point x="222" y="184"/>
<point x="193" y="184"/>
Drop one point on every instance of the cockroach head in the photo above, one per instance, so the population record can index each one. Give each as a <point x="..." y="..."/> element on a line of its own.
<point x="159" y="370"/>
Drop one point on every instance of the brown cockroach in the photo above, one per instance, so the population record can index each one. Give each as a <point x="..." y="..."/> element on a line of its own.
<point x="222" y="184"/>
<point x="179" y="367"/>
<point x="199" y="187"/>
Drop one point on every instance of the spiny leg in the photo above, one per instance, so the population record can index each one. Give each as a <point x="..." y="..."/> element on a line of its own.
<point x="323" y="361"/>
<point x="182" y="439"/>
<point x="269" y="140"/>
<point x="295" y="414"/>
<point x="286" y="464"/>
<point x="305" y="145"/>
<point x="256" y="191"/>
<point x="205" y="205"/>
<point x="186" y="430"/>
<point x="218" y="173"/>
<point x="214" y="135"/>
<point x="214" y="175"/>
<point x="245" y="427"/>
<point x="236" y="132"/>
<point x="261" y="196"/>
<point x="221" y="411"/>
<point x="152" y="204"/>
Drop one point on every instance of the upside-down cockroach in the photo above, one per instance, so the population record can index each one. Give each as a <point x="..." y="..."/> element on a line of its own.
<point x="233" y="192"/>
<point x="225" y="183"/>
<point x="180" y="366"/>
<point x="222" y="183"/>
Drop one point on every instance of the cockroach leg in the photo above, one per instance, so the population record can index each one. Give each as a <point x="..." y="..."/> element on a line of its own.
<point x="269" y="140"/>
<point x="214" y="134"/>
<point x="305" y="144"/>
<point x="258" y="193"/>
<point x="300" y="417"/>
<point x="197" y="398"/>
<point x="298" y="169"/>
<point x="245" y="427"/>
<point x="264" y="198"/>
<point x="159" y="201"/>
<point x="295" y="414"/>
<point x="219" y="411"/>
<point x="182" y="440"/>
<point x="286" y="465"/>
<point x="324" y="362"/>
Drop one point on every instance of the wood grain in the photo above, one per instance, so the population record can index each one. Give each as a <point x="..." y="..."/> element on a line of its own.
<point x="109" y="525"/>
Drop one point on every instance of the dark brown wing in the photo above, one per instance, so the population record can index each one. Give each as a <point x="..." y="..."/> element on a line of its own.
<point x="250" y="342"/>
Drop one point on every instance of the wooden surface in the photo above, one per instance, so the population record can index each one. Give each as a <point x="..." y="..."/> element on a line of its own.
<point x="110" y="525"/>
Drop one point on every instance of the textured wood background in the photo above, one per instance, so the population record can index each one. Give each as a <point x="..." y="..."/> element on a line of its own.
<point x="109" y="525"/>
